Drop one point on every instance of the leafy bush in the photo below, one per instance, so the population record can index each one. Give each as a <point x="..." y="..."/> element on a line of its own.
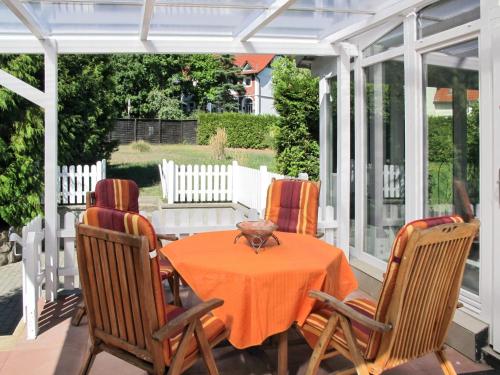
<point x="296" y="100"/>
<point x="243" y="130"/>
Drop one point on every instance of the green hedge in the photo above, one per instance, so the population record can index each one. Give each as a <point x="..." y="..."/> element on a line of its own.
<point x="243" y="130"/>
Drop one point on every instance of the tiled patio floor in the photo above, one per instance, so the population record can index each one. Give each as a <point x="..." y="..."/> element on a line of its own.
<point x="60" y="347"/>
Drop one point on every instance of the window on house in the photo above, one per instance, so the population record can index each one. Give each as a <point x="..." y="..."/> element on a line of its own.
<point x="247" y="105"/>
<point x="248" y="81"/>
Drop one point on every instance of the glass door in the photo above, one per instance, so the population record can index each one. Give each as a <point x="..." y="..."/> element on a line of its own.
<point x="451" y="91"/>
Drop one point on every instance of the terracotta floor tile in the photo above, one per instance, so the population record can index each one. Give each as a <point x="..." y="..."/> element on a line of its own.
<point x="60" y="349"/>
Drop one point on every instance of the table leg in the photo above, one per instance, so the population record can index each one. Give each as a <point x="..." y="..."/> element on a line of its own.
<point x="283" y="353"/>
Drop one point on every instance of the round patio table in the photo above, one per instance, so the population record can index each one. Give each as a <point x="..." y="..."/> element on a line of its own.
<point x="264" y="293"/>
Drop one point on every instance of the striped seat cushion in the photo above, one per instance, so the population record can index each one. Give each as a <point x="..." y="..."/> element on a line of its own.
<point x="316" y="322"/>
<point x="293" y="205"/>
<point x="397" y="253"/>
<point x="212" y="326"/>
<point x="117" y="194"/>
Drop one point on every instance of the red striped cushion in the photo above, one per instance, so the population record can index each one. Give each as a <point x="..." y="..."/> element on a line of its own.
<point x="397" y="252"/>
<point x="293" y="205"/>
<point x="117" y="194"/>
<point x="316" y="322"/>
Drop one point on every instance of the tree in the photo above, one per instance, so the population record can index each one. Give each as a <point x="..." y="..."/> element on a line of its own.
<point x="296" y="100"/>
<point x="87" y="111"/>
<point x="21" y="142"/>
<point x="153" y="81"/>
<point x="86" y="115"/>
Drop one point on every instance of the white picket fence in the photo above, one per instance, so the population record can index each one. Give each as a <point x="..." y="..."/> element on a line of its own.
<point x="216" y="183"/>
<point x="76" y="180"/>
<point x="33" y="273"/>
<point x="393" y="184"/>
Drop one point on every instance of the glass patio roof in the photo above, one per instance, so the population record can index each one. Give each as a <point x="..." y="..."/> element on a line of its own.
<point x="301" y="19"/>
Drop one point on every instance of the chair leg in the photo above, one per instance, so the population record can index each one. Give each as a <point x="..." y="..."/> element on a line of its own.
<point x="175" y="290"/>
<point x="356" y="357"/>
<point x="446" y="365"/>
<point x="205" y="350"/>
<point x="89" y="360"/>
<point x="322" y="345"/>
<point x="79" y="314"/>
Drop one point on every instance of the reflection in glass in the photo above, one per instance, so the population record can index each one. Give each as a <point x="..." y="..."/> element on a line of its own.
<point x="452" y="123"/>
<point x="446" y="14"/>
<point x="392" y="39"/>
<point x="385" y="146"/>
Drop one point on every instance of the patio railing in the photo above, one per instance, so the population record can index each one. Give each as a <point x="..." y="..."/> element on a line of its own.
<point x="216" y="183"/>
<point x="76" y="180"/>
<point x="33" y="272"/>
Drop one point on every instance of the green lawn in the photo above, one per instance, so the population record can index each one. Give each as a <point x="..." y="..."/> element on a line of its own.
<point x="142" y="167"/>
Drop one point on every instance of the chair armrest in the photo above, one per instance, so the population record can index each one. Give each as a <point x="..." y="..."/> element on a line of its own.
<point x="168" y="237"/>
<point x="349" y="312"/>
<point x="187" y="317"/>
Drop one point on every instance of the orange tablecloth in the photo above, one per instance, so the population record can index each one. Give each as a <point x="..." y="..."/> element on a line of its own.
<point x="263" y="293"/>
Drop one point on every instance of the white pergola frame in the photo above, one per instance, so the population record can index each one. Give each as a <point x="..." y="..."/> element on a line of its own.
<point x="335" y="51"/>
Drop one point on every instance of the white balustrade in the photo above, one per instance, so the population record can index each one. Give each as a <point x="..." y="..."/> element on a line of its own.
<point x="76" y="180"/>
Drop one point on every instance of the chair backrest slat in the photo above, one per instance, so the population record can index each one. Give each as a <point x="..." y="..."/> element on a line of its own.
<point x="117" y="286"/>
<point x="427" y="289"/>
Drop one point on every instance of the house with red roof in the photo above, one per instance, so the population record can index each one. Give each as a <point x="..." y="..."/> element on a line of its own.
<point x="440" y="100"/>
<point x="257" y="72"/>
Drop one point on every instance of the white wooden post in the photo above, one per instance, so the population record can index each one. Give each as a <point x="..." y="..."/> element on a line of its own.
<point x="360" y="159"/>
<point x="170" y="181"/>
<point x="414" y="128"/>
<point x="325" y="140"/>
<point x="264" y="181"/>
<point x="30" y="291"/>
<point x="235" y="182"/>
<point x="343" y="150"/>
<point x="489" y="56"/>
<point x="377" y="215"/>
<point x="69" y="251"/>
<point x="51" y="168"/>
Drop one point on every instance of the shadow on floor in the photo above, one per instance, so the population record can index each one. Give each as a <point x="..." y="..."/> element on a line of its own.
<point x="54" y="313"/>
<point x="11" y="311"/>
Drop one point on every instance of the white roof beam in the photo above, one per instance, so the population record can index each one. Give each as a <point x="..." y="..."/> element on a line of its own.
<point x="23" y="89"/>
<point x="273" y="11"/>
<point x="147" y="14"/>
<point x="26" y="18"/>
<point x="384" y="14"/>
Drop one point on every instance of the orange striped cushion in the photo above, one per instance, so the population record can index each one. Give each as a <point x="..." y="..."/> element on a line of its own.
<point x="293" y="205"/>
<point x="317" y="320"/>
<point x="135" y="224"/>
<point x="117" y="194"/>
<point x="397" y="252"/>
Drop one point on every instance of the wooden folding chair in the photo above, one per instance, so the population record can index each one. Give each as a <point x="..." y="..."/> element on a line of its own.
<point x="122" y="221"/>
<point x="415" y="309"/>
<point x="127" y="315"/>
